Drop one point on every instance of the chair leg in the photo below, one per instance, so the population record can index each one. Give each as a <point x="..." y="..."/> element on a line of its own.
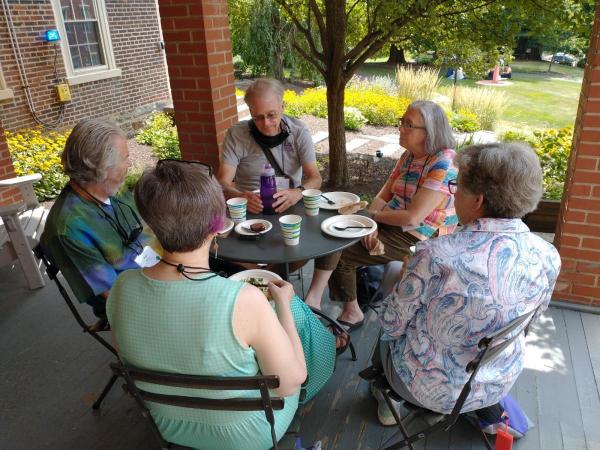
<point x="106" y="390"/>
<point x="388" y="400"/>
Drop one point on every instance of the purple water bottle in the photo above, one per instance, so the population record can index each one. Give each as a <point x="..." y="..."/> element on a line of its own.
<point x="268" y="187"/>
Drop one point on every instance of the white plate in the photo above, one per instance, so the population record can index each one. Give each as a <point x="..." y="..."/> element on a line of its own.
<point x="264" y="275"/>
<point x="226" y="228"/>
<point x="339" y="198"/>
<point x="239" y="227"/>
<point x="327" y="226"/>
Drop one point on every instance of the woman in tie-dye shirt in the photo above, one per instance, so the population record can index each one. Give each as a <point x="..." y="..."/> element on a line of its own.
<point x="413" y="205"/>
<point x="461" y="287"/>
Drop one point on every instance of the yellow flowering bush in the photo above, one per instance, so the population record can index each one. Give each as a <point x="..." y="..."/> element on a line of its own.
<point x="34" y="151"/>
<point x="464" y="121"/>
<point x="376" y="105"/>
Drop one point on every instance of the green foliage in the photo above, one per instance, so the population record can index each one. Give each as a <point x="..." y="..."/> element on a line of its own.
<point x="417" y="84"/>
<point x="464" y="121"/>
<point x="512" y="136"/>
<point x="33" y="151"/>
<point x="377" y="107"/>
<point x="487" y="103"/>
<point x="131" y="179"/>
<point x="239" y="66"/>
<point x="353" y="119"/>
<point x="161" y="134"/>
<point x="424" y="58"/>
<point x="465" y="141"/>
<point x="553" y="148"/>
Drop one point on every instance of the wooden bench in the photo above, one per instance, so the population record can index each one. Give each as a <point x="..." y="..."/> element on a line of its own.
<point x="21" y="225"/>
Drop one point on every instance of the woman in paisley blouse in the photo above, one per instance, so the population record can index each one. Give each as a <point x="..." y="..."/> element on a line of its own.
<point x="414" y="204"/>
<point x="461" y="287"/>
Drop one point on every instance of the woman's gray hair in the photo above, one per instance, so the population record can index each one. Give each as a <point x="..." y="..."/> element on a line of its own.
<point x="439" y="131"/>
<point x="508" y="174"/>
<point x="262" y="87"/>
<point x="90" y="150"/>
<point x="181" y="203"/>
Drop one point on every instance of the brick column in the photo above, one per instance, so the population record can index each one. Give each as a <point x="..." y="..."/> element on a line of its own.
<point x="578" y="232"/>
<point x="198" y="49"/>
<point x="7" y="196"/>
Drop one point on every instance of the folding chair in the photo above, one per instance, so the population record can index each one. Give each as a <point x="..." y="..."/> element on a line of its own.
<point x="339" y="328"/>
<point x="265" y="402"/>
<point x="101" y="325"/>
<point x="489" y="347"/>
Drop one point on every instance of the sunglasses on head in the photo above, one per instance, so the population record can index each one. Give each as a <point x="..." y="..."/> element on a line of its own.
<point x="199" y="164"/>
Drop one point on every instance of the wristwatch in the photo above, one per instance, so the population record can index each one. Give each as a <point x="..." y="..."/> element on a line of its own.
<point x="302" y="188"/>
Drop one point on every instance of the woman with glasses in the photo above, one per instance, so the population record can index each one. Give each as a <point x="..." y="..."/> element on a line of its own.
<point x="459" y="288"/>
<point x="93" y="231"/>
<point x="269" y="137"/>
<point x="179" y="316"/>
<point x="413" y="205"/>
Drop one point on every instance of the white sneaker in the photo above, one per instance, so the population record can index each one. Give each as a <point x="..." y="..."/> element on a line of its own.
<point x="384" y="413"/>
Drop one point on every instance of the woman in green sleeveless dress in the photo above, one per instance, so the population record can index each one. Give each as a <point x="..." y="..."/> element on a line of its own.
<point x="179" y="317"/>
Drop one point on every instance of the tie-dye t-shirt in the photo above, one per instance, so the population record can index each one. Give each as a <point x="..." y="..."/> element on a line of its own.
<point x="458" y="289"/>
<point x="85" y="245"/>
<point x="431" y="172"/>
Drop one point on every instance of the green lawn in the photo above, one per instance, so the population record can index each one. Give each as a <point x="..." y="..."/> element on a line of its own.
<point x="536" y="99"/>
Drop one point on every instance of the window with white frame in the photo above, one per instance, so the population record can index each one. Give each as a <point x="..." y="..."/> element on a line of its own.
<point x="87" y="49"/>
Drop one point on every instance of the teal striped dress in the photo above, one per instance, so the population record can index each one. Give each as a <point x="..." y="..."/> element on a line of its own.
<point x="186" y="327"/>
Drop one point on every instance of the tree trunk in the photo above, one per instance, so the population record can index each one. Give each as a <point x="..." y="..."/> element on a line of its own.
<point x="397" y="55"/>
<point x="338" y="163"/>
<point x="335" y="78"/>
<point x="278" y="57"/>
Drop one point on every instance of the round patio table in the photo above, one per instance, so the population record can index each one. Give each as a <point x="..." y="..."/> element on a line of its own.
<point x="269" y="248"/>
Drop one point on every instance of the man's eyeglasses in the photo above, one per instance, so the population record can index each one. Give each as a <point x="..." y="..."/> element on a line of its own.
<point x="452" y="186"/>
<point x="199" y="164"/>
<point x="402" y="123"/>
<point x="271" y="116"/>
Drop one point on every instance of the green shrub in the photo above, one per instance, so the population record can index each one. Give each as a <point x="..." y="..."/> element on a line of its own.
<point x="132" y="177"/>
<point x="424" y="58"/>
<point x="353" y="119"/>
<point x="553" y="148"/>
<point x="511" y="136"/>
<point x="161" y="134"/>
<point x="464" y="121"/>
<point x="417" y="84"/>
<point x="487" y="103"/>
<point x="33" y="151"/>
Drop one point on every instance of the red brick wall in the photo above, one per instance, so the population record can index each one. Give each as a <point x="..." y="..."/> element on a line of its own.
<point x="7" y="196"/>
<point x="135" y="36"/>
<point x="578" y="234"/>
<point x="198" y="49"/>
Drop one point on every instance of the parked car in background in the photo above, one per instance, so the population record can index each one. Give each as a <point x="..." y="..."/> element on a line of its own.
<point x="564" y="58"/>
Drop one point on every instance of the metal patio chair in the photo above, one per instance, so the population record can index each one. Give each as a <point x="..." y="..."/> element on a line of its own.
<point x="91" y="329"/>
<point x="265" y="401"/>
<point x="489" y="347"/>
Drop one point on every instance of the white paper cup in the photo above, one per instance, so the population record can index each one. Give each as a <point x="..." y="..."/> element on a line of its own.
<point x="237" y="208"/>
<point x="290" y="228"/>
<point x="312" y="200"/>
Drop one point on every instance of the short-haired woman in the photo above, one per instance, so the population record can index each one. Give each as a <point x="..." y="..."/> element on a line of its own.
<point x="178" y="316"/>
<point x="460" y="288"/>
<point x="93" y="232"/>
<point x="414" y="204"/>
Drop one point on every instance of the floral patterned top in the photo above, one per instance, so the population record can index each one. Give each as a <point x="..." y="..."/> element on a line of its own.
<point x="431" y="172"/>
<point x="456" y="290"/>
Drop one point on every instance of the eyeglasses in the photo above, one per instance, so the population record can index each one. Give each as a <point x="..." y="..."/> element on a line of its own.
<point x="271" y="116"/>
<point x="205" y="166"/>
<point x="402" y="123"/>
<point x="452" y="186"/>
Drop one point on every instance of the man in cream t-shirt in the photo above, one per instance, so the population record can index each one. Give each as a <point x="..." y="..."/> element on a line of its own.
<point x="289" y="141"/>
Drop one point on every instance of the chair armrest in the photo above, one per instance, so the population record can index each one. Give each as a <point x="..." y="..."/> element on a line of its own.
<point x="25" y="184"/>
<point x="12" y="209"/>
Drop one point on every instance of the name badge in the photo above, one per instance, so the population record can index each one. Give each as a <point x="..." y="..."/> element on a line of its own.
<point x="282" y="183"/>
<point x="147" y="258"/>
